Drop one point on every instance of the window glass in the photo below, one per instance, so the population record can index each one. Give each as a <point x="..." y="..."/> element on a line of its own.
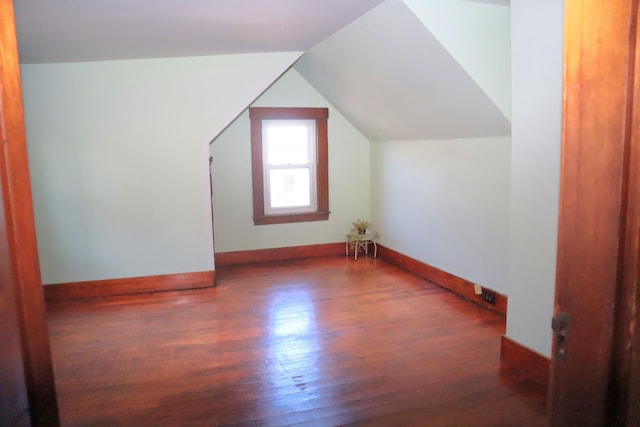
<point x="288" y="142"/>
<point x="289" y="163"/>
<point x="290" y="188"/>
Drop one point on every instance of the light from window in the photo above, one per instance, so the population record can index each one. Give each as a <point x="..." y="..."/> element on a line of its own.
<point x="288" y="150"/>
<point x="289" y="158"/>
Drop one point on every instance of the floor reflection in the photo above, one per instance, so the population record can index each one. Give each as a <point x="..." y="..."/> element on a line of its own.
<point x="292" y="314"/>
<point x="295" y="344"/>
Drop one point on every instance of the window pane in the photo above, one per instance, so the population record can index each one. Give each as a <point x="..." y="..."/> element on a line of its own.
<point x="288" y="142"/>
<point x="289" y="187"/>
<point x="293" y="143"/>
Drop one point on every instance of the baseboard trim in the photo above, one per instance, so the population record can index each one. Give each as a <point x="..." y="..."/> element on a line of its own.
<point x="530" y="363"/>
<point x="455" y="284"/>
<point x="129" y="286"/>
<point x="227" y="259"/>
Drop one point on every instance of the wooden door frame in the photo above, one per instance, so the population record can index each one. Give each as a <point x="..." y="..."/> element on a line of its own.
<point x="24" y="257"/>
<point x="21" y="231"/>
<point x="624" y="402"/>
<point x="599" y="229"/>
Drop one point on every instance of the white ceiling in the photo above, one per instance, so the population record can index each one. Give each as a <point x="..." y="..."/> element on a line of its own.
<point x="374" y="60"/>
<point x="87" y="30"/>
<point x="394" y="80"/>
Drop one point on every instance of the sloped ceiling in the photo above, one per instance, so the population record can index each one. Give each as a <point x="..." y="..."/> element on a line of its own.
<point x="394" y="80"/>
<point x="97" y="30"/>
<point x="478" y="36"/>
<point x="374" y="60"/>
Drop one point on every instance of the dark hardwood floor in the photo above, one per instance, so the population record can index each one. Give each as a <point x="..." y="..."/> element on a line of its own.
<point x="322" y="342"/>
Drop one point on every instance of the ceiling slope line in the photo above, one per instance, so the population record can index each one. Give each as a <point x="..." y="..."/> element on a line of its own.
<point x="247" y="100"/>
<point x="394" y="80"/>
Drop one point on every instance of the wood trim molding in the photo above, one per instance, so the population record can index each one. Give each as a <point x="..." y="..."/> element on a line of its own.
<point x="320" y="115"/>
<point x="597" y="251"/>
<point x="455" y="284"/>
<point x="227" y="259"/>
<point x="21" y="232"/>
<point x="532" y="364"/>
<point x="129" y="286"/>
<point x="627" y="341"/>
<point x="287" y="218"/>
<point x="266" y="113"/>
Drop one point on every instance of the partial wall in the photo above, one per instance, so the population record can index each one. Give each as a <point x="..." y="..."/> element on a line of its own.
<point x="231" y="171"/>
<point x="537" y="29"/>
<point x="445" y="203"/>
<point x="118" y="154"/>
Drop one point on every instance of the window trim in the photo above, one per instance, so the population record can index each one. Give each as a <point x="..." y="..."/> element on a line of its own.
<point x="320" y="115"/>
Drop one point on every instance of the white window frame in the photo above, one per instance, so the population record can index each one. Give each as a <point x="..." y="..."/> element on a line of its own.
<point x="310" y="165"/>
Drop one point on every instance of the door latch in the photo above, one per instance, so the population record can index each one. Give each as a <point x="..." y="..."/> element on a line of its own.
<point x="560" y="325"/>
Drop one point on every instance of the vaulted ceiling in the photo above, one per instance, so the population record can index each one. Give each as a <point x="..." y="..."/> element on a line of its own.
<point x="390" y="66"/>
<point x="90" y="30"/>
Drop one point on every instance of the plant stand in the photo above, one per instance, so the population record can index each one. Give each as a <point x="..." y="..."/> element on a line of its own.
<point x="360" y="243"/>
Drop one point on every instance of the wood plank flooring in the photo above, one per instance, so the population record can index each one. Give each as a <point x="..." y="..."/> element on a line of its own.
<point x="321" y="342"/>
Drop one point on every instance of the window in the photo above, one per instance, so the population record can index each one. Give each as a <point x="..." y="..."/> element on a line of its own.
<point x="289" y="155"/>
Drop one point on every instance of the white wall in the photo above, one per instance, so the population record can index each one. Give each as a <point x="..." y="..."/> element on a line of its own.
<point x="119" y="159"/>
<point x="445" y="203"/>
<point x="477" y="35"/>
<point x="231" y="171"/>
<point x="537" y="28"/>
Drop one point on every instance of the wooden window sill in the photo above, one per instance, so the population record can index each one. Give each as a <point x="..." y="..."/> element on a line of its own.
<point x="288" y="218"/>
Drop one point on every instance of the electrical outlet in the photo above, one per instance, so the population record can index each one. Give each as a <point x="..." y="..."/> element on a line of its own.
<point x="488" y="297"/>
